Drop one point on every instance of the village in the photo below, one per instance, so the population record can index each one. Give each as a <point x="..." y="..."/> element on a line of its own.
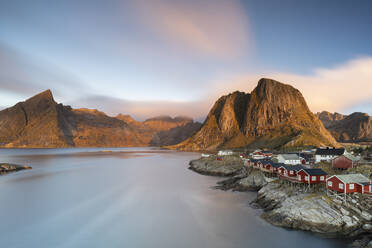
<point x="334" y="170"/>
<point x="323" y="190"/>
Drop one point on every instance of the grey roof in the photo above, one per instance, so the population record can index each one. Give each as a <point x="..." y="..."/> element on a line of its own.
<point x="306" y="156"/>
<point x="351" y="157"/>
<point x="277" y="165"/>
<point x="267" y="152"/>
<point x="290" y="156"/>
<point x="353" y="178"/>
<point x="315" y="172"/>
<point x="330" y="151"/>
<point x="297" y="167"/>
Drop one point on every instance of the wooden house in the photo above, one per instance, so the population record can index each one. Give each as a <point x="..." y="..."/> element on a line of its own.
<point x="268" y="166"/>
<point x="367" y="188"/>
<point x="289" y="170"/>
<point x="306" y="158"/>
<point x="259" y="154"/>
<point x="225" y="153"/>
<point x="292" y="159"/>
<point x="349" y="183"/>
<point x="327" y="154"/>
<point x="275" y="167"/>
<point x="311" y="176"/>
<point x="345" y="161"/>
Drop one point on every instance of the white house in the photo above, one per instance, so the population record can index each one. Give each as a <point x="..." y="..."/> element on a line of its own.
<point x="225" y="153"/>
<point x="327" y="154"/>
<point x="259" y="154"/>
<point x="289" y="159"/>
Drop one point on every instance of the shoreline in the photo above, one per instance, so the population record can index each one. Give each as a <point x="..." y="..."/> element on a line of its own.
<point x="296" y="209"/>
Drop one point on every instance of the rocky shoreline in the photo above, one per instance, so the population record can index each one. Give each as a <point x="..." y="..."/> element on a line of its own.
<point x="6" y="168"/>
<point x="294" y="208"/>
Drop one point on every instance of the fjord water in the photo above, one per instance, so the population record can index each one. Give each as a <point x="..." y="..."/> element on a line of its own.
<point x="128" y="197"/>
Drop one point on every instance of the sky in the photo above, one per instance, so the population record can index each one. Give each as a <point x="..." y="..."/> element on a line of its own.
<point x="172" y="57"/>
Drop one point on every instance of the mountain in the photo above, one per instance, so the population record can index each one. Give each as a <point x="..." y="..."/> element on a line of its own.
<point x="273" y="115"/>
<point x="353" y="128"/>
<point x="41" y="122"/>
<point x="164" y="123"/>
<point x="328" y="119"/>
<point x="175" y="135"/>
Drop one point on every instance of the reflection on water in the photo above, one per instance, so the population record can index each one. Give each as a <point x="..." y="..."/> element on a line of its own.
<point x="128" y="197"/>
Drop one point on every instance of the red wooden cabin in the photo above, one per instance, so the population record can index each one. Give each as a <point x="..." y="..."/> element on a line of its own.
<point x="349" y="183"/>
<point x="289" y="170"/>
<point x="367" y="188"/>
<point x="312" y="176"/>
<point x="268" y="165"/>
<point x="345" y="161"/>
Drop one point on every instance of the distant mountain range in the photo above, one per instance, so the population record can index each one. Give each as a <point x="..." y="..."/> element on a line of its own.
<point x="41" y="122"/>
<point x="273" y="115"/>
<point x="353" y="128"/>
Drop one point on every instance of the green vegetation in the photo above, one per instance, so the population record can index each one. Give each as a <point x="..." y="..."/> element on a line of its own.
<point x="362" y="169"/>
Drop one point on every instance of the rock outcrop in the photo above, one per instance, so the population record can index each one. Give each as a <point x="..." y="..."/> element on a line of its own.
<point x="41" y="122"/>
<point x="353" y="128"/>
<point x="8" y="168"/>
<point x="315" y="212"/>
<point x="230" y="166"/>
<point x="240" y="178"/>
<point x="274" y="115"/>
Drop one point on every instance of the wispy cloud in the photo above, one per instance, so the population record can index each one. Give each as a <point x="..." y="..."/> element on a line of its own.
<point x="339" y="88"/>
<point x="212" y="27"/>
<point x="24" y="75"/>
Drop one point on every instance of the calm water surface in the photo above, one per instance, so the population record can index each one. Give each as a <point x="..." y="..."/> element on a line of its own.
<point x="129" y="197"/>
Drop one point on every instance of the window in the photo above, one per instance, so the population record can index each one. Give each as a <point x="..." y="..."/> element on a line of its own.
<point x="322" y="179"/>
<point x="313" y="178"/>
<point x="351" y="186"/>
<point x="341" y="186"/>
<point x="299" y="178"/>
<point x="291" y="172"/>
<point x="306" y="178"/>
<point x="330" y="183"/>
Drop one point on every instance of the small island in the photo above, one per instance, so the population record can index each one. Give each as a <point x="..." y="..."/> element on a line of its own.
<point x="6" y="168"/>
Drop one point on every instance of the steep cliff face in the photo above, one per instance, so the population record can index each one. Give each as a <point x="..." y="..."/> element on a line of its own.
<point x="356" y="127"/>
<point x="222" y="126"/>
<point x="41" y="122"/>
<point x="35" y="121"/>
<point x="273" y="115"/>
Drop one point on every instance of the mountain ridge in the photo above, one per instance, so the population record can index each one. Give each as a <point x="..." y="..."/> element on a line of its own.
<point x="353" y="128"/>
<point x="40" y="122"/>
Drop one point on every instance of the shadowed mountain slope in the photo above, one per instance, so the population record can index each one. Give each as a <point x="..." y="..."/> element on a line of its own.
<point x="356" y="127"/>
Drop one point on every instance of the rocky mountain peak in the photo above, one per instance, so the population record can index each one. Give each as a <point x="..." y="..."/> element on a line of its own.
<point x="46" y="95"/>
<point x="273" y="115"/>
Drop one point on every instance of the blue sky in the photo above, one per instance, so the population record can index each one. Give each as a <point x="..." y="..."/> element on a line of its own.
<point x="152" y="57"/>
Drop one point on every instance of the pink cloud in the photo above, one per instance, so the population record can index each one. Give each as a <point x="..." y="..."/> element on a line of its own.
<point x="332" y="89"/>
<point x="212" y="27"/>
